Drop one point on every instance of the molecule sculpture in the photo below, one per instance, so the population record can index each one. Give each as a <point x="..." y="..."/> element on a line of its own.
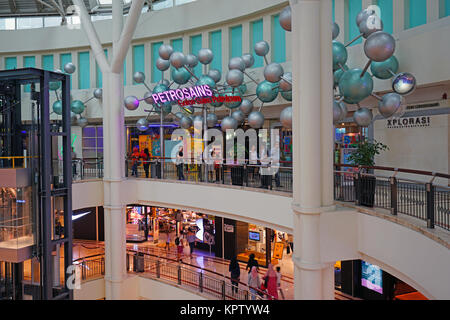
<point x="353" y="85"/>
<point x="231" y="93"/>
<point x="77" y="107"/>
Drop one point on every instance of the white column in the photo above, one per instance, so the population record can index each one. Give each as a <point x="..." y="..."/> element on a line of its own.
<point x="312" y="165"/>
<point x="432" y="10"/>
<point x="339" y="18"/>
<point x="399" y="16"/>
<point x="328" y="282"/>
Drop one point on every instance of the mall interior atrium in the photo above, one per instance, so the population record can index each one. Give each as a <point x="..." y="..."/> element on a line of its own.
<point x="224" y="150"/>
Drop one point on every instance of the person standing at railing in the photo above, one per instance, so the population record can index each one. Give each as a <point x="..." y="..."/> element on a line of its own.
<point x="74" y="163"/>
<point x="272" y="288"/>
<point x="235" y="276"/>
<point x="254" y="282"/>
<point x="191" y="240"/>
<point x="179" y="163"/>
<point x="145" y="155"/>
<point x="135" y="161"/>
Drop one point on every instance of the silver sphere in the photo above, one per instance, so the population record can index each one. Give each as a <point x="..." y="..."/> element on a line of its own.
<point x="404" y="83"/>
<point x="228" y="123"/>
<point x="273" y="72"/>
<point x="286" y="82"/>
<point x="139" y="77"/>
<point x="262" y="48"/>
<point x="236" y="63"/>
<point x="390" y="104"/>
<point x="177" y="60"/>
<point x="148" y="97"/>
<point x="211" y="120"/>
<point x="162" y="64"/>
<point x="344" y="111"/>
<point x="215" y="74"/>
<point x="379" y="46"/>
<point x="371" y="25"/>
<point x="239" y="116"/>
<point x="235" y="78"/>
<point x="246" y="106"/>
<point x="82" y="122"/>
<point x="69" y="68"/>
<point x="337" y="112"/>
<point x="98" y="93"/>
<point x="131" y="103"/>
<point x="185" y="122"/>
<point x="363" y="117"/>
<point x="249" y="60"/>
<point x="256" y="119"/>
<point x="363" y="15"/>
<point x="73" y="117"/>
<point x="142" y="124"/>
<point x="165" y="51"/>
<point x="191" y="60"/>
<point x="285" y="18"/>
<point x="286" y="117"/>
<point x="164" y="82"/>
<point x="335" y="30"/>
<point x="205" y="56"/>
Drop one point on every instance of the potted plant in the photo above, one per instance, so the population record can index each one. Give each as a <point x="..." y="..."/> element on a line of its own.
<point x="365" y="185"/>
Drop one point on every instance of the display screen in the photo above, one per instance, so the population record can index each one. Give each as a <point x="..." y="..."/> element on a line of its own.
<point x="371" y="277"/>
<point x="255" y="236"/>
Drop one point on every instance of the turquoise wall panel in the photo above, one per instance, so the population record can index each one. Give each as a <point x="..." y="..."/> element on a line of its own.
<point x="138" y="59"/>
<point x="387" y="14"/>
<point x="177" y="45"/>
<point x="10" y="63"/>
<point x="63" y="59"/>
<point x="84" y="70"/>
<point x="236" y="41"/>
<point x="257" y="36"/>
<point x="99" y="81"/>
<point x="47" y="62"/>
<point x="196" y="45"/>
<point x="156" y="74"/>
<point x="29" y="62"/>
<point x="278" y="41"/>
<point x="353" y="8"/>
<point x="444" y="8"/>
<point x="416" y="13"/>
<point x="215" y="44"/>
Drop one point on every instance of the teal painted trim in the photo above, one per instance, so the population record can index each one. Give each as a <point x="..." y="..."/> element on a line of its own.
<point x="278" y="41"/>
<point x="444" y="8"/>
<point x="196" y="45"/>
<point x="29" y="62"/>
<point x="257" y="33"/>
<point x="47" y="62"/>
<point x="415" y="13"/>
<point x="387" y="14"/>
<point x="215" y="43"/>
<point x="99" y="78"/>
<point x="156" y="74"/>
<point x="10" y="63"/>
<point x="138" y="59"/>
<point x="84" y="70"/>
<point x="353" y="8"/>
<point x="63" y="59"/>
<point x="236" y="41"/>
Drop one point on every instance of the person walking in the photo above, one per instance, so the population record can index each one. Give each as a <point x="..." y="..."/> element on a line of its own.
<point x="74" y="163"/>
<point x="279" y="282"/>
<point x="135" y="161"/>
<point x="235" y="275"/>
<point x="145" y="155"/>
<point x="179" y="163"/>
<point x="252" y="263"/>
<point x="168" y="241"/>
<point x="254" y="283"/>
<point x="271" y="279"/>
<point x="180" y="247"/>
<point x="191" y="240"/>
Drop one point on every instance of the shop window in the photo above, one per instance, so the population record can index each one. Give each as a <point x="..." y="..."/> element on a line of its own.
<point x="156" y="74"/>
<point x="257" y="36"/>
<point x="10" y="63"/>
<point x="138" y="59"/>
<point x="84" y="70"/>
<point x="444" y="8"/>
<point x="93" y="142"/>
<point x="196" y="45"/>
<point x="236" y="41"/>
<point x="47" y="62"/>
<point x="278" y="41"/>
<point x="352" y="8"/>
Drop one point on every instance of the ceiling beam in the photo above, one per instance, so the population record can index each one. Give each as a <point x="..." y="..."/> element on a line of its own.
<point x="13" y="6"/>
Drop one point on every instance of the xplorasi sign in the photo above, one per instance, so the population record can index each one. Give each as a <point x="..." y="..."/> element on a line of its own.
<point x="412" y="122"/>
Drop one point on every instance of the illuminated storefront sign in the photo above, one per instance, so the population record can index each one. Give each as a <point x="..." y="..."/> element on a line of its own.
<point x="414" y="122"/>
<point x="182" y="94"/>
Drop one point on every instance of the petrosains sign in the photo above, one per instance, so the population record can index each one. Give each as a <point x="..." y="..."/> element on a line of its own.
<point x="408" y="122"/>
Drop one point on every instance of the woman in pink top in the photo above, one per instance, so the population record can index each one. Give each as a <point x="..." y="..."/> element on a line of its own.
<point x="272" y="282"/>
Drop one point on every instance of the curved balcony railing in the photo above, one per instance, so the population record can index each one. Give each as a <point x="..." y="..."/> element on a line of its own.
<point x="170" y="270"/>
<point x="421" y="197"/>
